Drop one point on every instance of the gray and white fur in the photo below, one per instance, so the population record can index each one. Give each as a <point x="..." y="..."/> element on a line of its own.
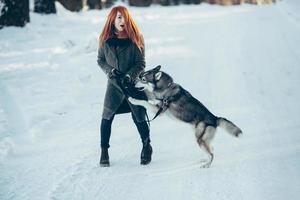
<point x="162" y="93"/>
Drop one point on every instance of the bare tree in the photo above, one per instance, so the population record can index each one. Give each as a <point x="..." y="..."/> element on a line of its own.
<point x="14" y="12"/>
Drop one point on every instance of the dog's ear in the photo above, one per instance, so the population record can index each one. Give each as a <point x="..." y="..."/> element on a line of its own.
<point x="157" y="68"/>
<point x="158" y="75"/>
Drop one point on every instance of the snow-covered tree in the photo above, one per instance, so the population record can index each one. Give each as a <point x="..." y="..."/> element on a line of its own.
<point x="14" y="12"/>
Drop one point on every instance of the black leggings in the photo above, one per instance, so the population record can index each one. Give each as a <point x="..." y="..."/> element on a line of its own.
<point x="105" y="130"/>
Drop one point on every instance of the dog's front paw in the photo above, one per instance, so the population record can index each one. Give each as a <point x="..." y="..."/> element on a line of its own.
<point x="132" y="100"/>
<point x="154" y="102"/>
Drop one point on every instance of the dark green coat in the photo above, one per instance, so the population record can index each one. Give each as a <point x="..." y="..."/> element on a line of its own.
<point x="129" y="60"/>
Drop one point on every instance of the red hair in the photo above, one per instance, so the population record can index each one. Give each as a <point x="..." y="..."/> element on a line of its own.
<point x="131" y="27"/>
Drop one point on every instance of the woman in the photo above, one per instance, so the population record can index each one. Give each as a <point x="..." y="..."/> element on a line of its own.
<point x="121" y="57"/>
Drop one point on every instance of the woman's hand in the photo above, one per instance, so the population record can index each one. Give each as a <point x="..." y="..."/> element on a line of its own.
<point x="124" y="79"/>
<point x="127" y="81"/>
<point x="115" y="74"/>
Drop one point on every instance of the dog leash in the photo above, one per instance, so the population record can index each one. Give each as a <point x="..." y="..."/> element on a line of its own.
<point x="126" y="94"/>
<point x="161" y="109"/>
<point x="165" y="103"/>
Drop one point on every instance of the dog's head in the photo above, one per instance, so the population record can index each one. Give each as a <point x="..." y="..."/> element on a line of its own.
<point x="152" y="80"/>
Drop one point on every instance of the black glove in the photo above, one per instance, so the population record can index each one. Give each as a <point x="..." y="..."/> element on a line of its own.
<point x="114" y="73"/>
<point x="127" y="81"/>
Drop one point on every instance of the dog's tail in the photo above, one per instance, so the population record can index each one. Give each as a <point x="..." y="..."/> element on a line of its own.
<point x="229" y="126"/>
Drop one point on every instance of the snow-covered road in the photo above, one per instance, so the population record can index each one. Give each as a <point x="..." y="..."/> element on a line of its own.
<point x="242" y="62"/>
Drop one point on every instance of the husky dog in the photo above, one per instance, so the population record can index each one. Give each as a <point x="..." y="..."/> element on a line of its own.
<point x="165" y="95"/>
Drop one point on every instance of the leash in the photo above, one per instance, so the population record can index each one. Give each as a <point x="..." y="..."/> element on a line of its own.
<point x="161" y="109"/>
<point x="165" y="102"/>
<point x="126" y="94"/>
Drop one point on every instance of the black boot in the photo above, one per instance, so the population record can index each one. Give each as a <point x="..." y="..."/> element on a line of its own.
<point x="104" y="159"/>
<point x="146" y="152"/>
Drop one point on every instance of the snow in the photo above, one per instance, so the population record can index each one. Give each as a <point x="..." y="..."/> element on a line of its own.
<point x="242" y="62"/>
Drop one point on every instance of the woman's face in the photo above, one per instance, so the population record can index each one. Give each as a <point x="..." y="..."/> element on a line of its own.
<point x="119" y="22"/>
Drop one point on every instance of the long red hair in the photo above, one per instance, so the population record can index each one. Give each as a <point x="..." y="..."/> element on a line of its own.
<point x="131" y="27"/>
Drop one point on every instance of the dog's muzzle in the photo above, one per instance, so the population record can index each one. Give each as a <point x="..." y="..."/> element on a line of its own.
<point x="138" y="85"/>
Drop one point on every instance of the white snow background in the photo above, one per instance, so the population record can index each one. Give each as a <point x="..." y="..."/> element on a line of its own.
<point x="242" y="62"/>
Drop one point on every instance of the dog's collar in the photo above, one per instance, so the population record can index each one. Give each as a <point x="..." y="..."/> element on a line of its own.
<point x="166" y="102"/>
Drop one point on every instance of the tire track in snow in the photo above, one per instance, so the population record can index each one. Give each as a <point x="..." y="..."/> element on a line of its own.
<point x="86" y="180"/>
<point x="16" y="122"/>
<point x="12" y="122"/>
<point x="69" y="184"/>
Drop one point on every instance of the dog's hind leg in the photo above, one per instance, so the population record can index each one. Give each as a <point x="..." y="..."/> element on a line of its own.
<point x="207" y="149"/>
<point x="204" y="140"/>
<point x="199" y="133"/>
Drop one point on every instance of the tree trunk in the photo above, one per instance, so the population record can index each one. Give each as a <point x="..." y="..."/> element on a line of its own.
<point x="94" y="4"/>
<point x="164" y="2"/>
<point x="14" y="12"/>
<point x="108" y="3"/>
<point x="140" y="3"/>
<point x="72" y="5"/>
<point x="186" y="1"/>
<point x="197" y="1"/>
<point x="175" y="2"/>
<point x="44" y="6"/>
